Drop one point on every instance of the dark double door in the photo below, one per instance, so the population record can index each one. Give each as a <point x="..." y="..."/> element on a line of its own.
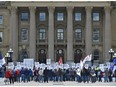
<point x="60" y="54"/>
<point x="42" y="56"/>
<point x="77" y="56"/>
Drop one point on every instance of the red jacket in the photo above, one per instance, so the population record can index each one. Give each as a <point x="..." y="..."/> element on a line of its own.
<point x="8" y="74"/>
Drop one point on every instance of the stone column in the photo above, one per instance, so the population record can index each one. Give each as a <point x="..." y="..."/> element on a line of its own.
<point x="14" y="33"/>
<point x="70" y="34"/>
<point x="88" y="33"/>
<point x="51" y="33"/>
<point x="32" y="35"/>
<point x="107" y="33"/>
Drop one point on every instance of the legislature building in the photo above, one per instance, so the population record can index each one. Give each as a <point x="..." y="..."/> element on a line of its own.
<point x="51" y="30"/>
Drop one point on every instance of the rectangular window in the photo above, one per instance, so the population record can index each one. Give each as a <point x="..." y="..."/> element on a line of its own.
<point x="24" y="16"/>
<point x="77" y="16"/>
<point x="78" y="35"/>
<point x="96" y="34"/>
<point x="24" y="34"/>
<point x="1" y="37"/>
<point x="60" y="34"/>
<point x="60" y="16"/>
<point x="1" y="19"/>
<point x="42" y="34"/>
<point x="42" y="16"/>
<point x="96" y="17"/>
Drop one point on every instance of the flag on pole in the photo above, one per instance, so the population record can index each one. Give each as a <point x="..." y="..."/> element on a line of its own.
<point x="114" y="60"/>
<point x="87" y="58"/>
<point x="81" y="65"/>
<point x="0" y="56"/>
<point x="2" y="60"/>
<point x="60" y="61"/>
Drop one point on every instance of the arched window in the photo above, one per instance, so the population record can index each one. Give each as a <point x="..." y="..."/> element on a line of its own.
<point x="96" y="54"/>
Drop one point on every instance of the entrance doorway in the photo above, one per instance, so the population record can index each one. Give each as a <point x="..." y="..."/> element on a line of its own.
<point x="60" y="54"/>
<point x="42" y="56"/>
<point x="77" y="55"/>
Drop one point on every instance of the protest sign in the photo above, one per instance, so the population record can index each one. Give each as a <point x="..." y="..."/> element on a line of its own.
<point x="29" y="63"/>
<point x="77" y="65"/>
<point x="11" y="65"/>
<point x="22" y="65"/>
<point x="18" y="63"/>
<point x="86" y="66"/>
<point x="48" y="61"/>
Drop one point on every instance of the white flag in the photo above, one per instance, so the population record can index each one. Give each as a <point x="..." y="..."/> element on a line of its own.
<point x="81" y="64"/>
<point x="87" y="58"/>
<point x="3" y="61"/>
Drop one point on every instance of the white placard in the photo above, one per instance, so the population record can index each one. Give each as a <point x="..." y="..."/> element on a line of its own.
<point x="86" y="66"/>
<point x="48" y="61"/>
<point x="18" y="67"/>
<point x="10" y="63"/>
<point x="22" y="65"/>
<point x="73" y="65"/>
<point x="77" y="65"/>
<point x="101" y="65"/>
<point x="66" y="66"/>
<point x="36" y="63"/>
<point x="29" y="63"/>
<point x="18" y="63"/>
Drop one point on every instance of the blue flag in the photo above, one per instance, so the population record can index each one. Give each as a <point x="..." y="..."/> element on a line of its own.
<point x="0" y="56"/>
<point x="114" y="60"/>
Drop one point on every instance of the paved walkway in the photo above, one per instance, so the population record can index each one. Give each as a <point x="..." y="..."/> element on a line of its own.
<point x="51" y="83"/>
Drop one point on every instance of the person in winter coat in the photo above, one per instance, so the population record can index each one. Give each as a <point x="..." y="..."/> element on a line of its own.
<point x="110" y="75"/>
<point x="8" y="75"/>
<point x="18" y="75"/>
<point x="106" y="75"/>
<point x="45" y="73"/>
<point x="22" y="75"/>
<point x="30" y="75"/>
<point x="99" y="75"/>
<point x="115" y="75"/>
<point x="78" y="75"/>
<point x="93" y="76"/>
<point x="41" y="75"/>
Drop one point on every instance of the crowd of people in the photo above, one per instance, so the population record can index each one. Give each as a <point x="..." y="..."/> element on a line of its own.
<point x="55" y="75"/>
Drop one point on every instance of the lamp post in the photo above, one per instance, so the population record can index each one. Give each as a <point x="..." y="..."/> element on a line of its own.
<point x="10" y="51"/>
<point x="111" y="52"/>
<point x="7" y="56"/>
